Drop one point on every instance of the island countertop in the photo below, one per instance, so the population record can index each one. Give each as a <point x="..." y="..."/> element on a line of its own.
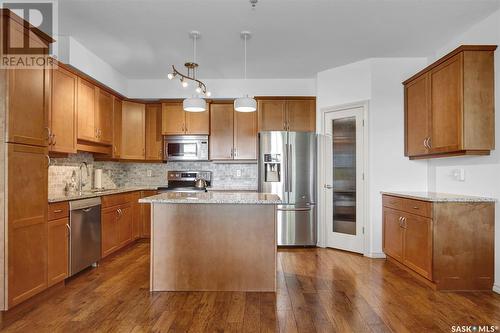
<point x="226" y="197"/>
<point x="439" y="197"/>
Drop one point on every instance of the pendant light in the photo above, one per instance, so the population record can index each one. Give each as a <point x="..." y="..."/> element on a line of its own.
<point x="245" y="103"/>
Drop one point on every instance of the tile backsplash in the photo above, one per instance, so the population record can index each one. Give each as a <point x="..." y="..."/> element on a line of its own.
<point x="126" y="174"/>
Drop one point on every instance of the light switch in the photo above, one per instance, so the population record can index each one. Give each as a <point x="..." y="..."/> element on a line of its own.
<point x="238" y="173"/>
<point x="150" y="173"/>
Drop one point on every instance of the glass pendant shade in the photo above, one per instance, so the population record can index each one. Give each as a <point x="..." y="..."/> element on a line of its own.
<point x="194" y="104"/>
<point x="245" y="104"/>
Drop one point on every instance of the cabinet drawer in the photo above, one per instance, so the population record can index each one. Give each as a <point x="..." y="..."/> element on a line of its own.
<point x="417" y="207"/>
<point x="392" y="202"/>
<point x="115" y="199"/>
<point x="58" y="210"/>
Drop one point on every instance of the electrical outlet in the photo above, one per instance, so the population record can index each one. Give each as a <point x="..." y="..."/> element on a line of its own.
<point x="149" y="173"/>
<point x="238" y="173"/>
<point x="459" y="175"/>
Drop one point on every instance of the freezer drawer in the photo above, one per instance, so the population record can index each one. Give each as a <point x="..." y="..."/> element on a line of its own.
<point x="296" y="226"/>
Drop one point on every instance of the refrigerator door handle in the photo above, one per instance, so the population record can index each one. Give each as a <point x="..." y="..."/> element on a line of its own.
<point x="290" y="170"/>
<point x="287" y="176"/>
<point x="294" y="209"/>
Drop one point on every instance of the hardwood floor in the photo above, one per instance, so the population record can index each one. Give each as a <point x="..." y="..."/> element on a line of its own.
<point x="319" y="290"/>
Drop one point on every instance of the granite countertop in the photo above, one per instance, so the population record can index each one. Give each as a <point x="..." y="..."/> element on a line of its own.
<point x="439" y="197"/>
<point x="90" y="194"/>
<point x="224" y="197"/>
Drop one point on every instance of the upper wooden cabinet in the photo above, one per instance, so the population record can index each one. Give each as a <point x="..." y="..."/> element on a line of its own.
<point x="153" y="132"/>
<point x="133" y="128"/>
<point x="104" y="117"/>
<point x="176" y="121"/>
<point x="449" y="106"/>
<point x="287" y="114"/>
<point x="117" y="128"/>
<point x="62" y="117"/>
<point x="86" y="105"/>
<point x="233" y="135"/>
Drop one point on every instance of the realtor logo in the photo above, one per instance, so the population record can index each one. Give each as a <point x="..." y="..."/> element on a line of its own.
<point x="23" y="50"/>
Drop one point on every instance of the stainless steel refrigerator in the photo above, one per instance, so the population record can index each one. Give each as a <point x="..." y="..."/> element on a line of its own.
<point x="287" y="167"/>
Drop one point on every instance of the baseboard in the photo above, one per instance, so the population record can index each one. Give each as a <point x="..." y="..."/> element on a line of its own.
<point x="496" y="288"/>
<point x="375" y="255"/>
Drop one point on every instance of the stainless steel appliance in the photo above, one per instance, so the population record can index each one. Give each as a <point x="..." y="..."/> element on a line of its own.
<point x="287" y="167"/>
<point x="84" y="234"/>
<point x="187" y="181"/>
<point x="185" y="148"/>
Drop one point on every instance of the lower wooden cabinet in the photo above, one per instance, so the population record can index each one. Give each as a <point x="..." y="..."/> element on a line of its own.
<point x="145" y="209"/>
<point x="58" y="251"/>
<point x="125" y="220"/>
<point x="109" y="231"/>
<point x="448" y="243"/>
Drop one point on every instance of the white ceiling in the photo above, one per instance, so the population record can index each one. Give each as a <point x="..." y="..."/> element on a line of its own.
<point x="291" y="39"/>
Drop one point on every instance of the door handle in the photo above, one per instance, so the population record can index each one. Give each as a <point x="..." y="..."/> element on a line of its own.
<point x="68" y="227"/>
<point x="293" y="209"/>
<point x="58" y="211"/>
<point x="328" y="186"/>
<point x="86" y="210"/>
<point x="290" y="160"/>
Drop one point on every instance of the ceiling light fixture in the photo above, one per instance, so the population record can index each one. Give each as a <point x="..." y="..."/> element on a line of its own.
<point x="245" y="103"/>
<point x="195" y="103"/>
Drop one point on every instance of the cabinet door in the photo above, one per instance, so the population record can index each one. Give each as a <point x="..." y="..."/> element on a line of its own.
<point x="86" y="111"/>
<point x="301" y="115"/>
<point x="57" y="235"/>
<point x="125" y="224"/>
<point x="393" y="234"/>
<point x="197" y="122"/>
<point x="133" y="125"/>
<point x="136" y="215"/>
<point x="271" y="115"/>
<point x="145" y="228"/>
<point x="173" y="119"/>
<point x="109" y="230"/>
<point x="221" y="131"/>
<point x="104" y="119"/>
<point x="417" y="115"/>
<point x="446" y="106"/>
<point x="245" y="135"/>
<point x="63" y="119"/>
<point x="153" y="132"/>
<point x="28" y="106"/>
<point x="117" y="128"/>
<point x="418" y="244"/>
<point x="26" y="221"/>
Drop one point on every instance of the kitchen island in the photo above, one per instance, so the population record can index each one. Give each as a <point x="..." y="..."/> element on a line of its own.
<point x="213" y="241"/>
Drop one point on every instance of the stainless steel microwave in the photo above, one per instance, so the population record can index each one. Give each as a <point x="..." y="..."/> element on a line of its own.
<point x="185" y="148"/>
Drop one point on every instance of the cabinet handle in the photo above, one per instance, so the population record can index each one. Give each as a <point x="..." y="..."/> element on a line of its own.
<point x="48" y="160"/>
<point x="49" y="134"/>
<point x="429" y="142"/>
<point x="69" y="228"/>
<point x="235" y="152"/>
<point x="54" y="139"/>
<point x="403" y="222"/>
<point x="415" y="207"/>
<point x="425" y="143"/>
<point x="284" y="126"/>
<point x="58" y="211"/>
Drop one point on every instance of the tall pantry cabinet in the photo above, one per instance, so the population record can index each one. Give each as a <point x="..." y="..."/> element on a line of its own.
<point x="25" y="146"/>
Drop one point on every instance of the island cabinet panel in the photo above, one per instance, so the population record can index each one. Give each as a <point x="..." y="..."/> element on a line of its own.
<point x="449" y="243"/>
<point x="117" y="128"/>
<point x="63" y="116"/>
<point x="301" y="115"/>
<point x="86" y="108"/>
<point x="449" y="106"/>
<point x="272" y="115"/>
<point x="104" y="117"/>
<point x="153" y="132"/>
<point x="173" y="119"/>
<point x="245" y="135"/>
<point x="27" y="116"/>
<point x="133" y="131"/>
<point x="221" y="131"/>
<point x="176" y="121"/>
<point x="58" y="250"/>
<point x="27" y="192"/>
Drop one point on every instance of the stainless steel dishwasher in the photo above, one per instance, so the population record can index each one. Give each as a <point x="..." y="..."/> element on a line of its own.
<point x="85" y="234"/>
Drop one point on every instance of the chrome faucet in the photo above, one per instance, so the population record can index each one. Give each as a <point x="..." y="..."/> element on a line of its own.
<point x="81" y="183"/>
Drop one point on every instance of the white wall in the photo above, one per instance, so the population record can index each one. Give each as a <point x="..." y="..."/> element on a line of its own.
<point x="379" y="82"/>
<point x="223" y="88"/>
<point x="482" y="174"/>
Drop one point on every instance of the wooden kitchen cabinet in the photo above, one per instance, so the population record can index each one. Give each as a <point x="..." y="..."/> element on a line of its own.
<point x="117" y="128"/>
<point x="154" y="139"/>
<point x="449" y="106"/>
<point x="26" y="221"/>
<point x="133" y="131"/>
<point x="449" y="243"/>
<point x="287" y="114"/>
<point x="233" y="135"/>
<point x="176" y="121"/>
<point x="104" y="117"/>
<point x="57" y="250"/>
<point x="145" y="216"/>
<point x="86" y="105"/>
<point x="109" y="231"/>
<point x="125" y="220"/>
<point x="63" y="117"/>
<point x="136" y="214"/>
